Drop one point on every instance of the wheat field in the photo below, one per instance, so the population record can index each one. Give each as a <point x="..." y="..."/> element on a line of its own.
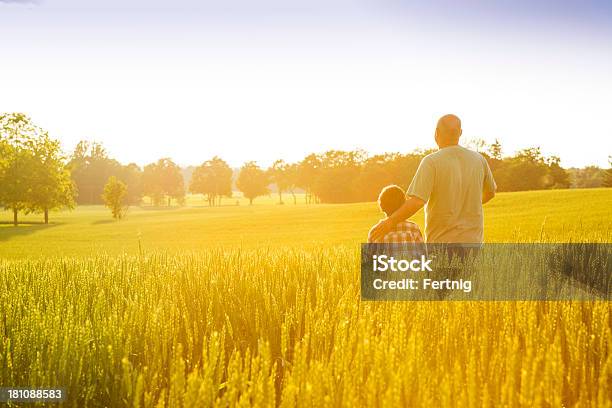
<point x="267" y="324"/>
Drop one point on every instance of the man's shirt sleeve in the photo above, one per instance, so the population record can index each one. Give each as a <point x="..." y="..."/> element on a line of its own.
<point x="489" y="181"/>
<point x="423" y="180"/>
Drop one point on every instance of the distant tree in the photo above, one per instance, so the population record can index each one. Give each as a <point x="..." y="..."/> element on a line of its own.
<point x="213" y="178"/>
<point x="495" y="150"/>
<point x="403" y="167"/>
<point x="187" y="174"/>
<point x="558" y="177"/>
<point x="90" y="168"/>
<point x="476" y="144"/>
<point x="587" y="177"/>
<point x="376" y="173"/>
<point x="16" y="181"/>
<point x="291" y="173"/>
<point x="17" y="136"/>
<point x="607" y="181"/>
<point x="252" y="181"/>
<point x="527" y="170"/>
<point x="51" y="184"/>
<point x="307" y="173"/>
<point x="131" y="176"/>
<point x="114" y="196"/>
<point x="278" y="173"/>
<point x="335" y="181"/>
<point x="163" y="179"/>
<point x="33" y="174"/>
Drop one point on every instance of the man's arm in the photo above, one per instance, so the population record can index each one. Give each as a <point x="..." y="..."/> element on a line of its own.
<point x="410" y="207"/>
<point x="489" y="187"/>
<point x="487" y="196"/>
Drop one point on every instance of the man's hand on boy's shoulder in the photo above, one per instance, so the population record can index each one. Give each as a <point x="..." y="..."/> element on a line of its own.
<point x="378" y="232"/>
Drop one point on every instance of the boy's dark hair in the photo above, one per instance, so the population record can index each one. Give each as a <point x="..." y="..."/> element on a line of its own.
<point x="391" y="198"/>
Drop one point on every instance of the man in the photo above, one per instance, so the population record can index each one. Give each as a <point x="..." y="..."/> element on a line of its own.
<point x="453" y="184"/>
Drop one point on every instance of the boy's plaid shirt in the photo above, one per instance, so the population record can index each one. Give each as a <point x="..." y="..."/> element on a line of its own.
<point x="404" y="232"/>
<point x="409" y="237"/>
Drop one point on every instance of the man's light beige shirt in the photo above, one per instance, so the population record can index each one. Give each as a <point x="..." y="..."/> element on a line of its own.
<point x="451" y="181"/>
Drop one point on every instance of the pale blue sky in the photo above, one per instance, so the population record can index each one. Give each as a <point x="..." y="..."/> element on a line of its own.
<point x="259" y="80"/>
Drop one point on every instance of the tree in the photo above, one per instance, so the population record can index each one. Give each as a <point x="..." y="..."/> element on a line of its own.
<point x="51" y="184"/>
<point x="163" y="179"/>
<point x="339" y="170"/>
<point x="16" y="174"/>
<point x="131" y="176"/>
<point x="607" y="182"/>
<point x="213" y="178"/>
<point x="33" y="174"/>
<point x="252" y="181"/>
<point x="307" y="172"/>
<point x="91" y="167"/>
<point x="527" y="170"/>
<point x="477" y="144"/>
<point x="495" y="150"/>
<point x="114" y="195"/>
<point x="291" y="177"/>
<point x="587" y="177"/>
<point x="16" y="134"/>
<point x="375" y="174"/>
<point x="558" y="177"/>
<point x="278" y="173"/>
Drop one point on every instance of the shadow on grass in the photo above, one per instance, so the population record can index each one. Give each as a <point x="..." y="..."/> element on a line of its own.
<point x="8" y="230"/>
<point x="216" y="206"/>
<point x="160" y="208"/>
<point x="99" y="222"/>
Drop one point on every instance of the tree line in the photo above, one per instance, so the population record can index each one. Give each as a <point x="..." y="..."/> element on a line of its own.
<point x="35" y="177"/>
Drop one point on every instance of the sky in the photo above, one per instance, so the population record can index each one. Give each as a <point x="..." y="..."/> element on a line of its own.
<point x="262" y="80"/>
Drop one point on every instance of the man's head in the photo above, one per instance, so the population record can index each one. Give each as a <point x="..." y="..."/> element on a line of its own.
<point x="448" y="130"/>
<point x="391" y="198"/>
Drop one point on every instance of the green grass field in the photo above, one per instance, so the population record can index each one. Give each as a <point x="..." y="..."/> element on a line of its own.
<point x="559" y="216"/>
<point x="260" y="306"/>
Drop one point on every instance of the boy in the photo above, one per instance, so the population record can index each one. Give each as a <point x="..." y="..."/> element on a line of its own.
<point x="390" y="199"/>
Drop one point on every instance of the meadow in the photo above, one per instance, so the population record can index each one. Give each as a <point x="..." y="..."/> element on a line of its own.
<point x="260" y="306"/>
<point x="552" y="216"/>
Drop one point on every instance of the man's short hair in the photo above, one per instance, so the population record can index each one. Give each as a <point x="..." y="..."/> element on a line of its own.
<point x="391" y="198"/>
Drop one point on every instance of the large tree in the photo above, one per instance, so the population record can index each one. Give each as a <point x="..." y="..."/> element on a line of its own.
<point x="15" y="180"/>
<point x="163" y="179"/>
<point x="213" y="178"/>
<point x="252" y="181"/>
<point x="33" y="173"/>
<point x="52" y="186"/>
<point x="16" y="138"/>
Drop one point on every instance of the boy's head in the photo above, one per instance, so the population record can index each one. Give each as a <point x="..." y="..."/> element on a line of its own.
<point x="391" y="198"/>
